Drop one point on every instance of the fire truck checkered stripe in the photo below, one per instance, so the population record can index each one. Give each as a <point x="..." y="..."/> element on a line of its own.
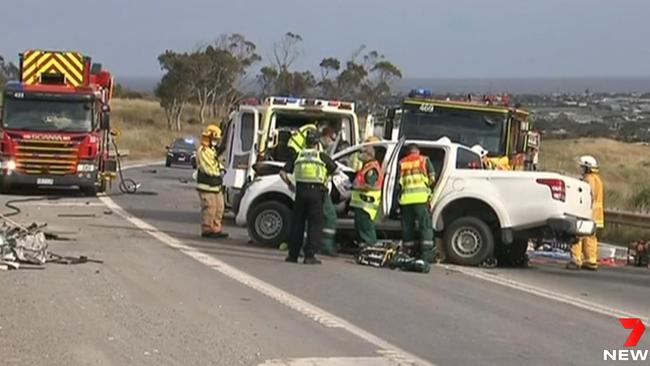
<point x="68" y="64"/>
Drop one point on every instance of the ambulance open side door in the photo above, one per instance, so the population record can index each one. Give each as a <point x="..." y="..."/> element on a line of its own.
<point x="241" y="150"/>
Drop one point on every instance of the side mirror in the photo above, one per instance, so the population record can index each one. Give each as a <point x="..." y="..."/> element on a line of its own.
<point x="105" y="123"/>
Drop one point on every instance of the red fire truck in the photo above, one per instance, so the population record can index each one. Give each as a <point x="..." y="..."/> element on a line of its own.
<point x="54" y="124"/>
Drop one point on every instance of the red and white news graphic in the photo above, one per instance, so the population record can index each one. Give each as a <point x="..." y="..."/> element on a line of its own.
<point x="637" y="328"/>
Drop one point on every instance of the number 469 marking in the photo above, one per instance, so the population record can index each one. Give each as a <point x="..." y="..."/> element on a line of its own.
<point x="427" y="108"/>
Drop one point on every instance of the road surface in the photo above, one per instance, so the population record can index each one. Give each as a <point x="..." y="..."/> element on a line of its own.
<point x="165" y="296"/>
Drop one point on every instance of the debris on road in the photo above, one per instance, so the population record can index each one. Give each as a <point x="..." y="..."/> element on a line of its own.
<point x="28" y="245"/>
<point x="391" y="255"/>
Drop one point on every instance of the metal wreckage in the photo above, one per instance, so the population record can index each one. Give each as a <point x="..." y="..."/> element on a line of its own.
<point x="28" y="245"/>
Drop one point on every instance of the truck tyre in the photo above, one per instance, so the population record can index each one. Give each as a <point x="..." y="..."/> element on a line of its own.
<point x="89" y="191"/>
<point x="269" y="223"/>
<point x="513" y="254"/>
<point x="468" y="241"/>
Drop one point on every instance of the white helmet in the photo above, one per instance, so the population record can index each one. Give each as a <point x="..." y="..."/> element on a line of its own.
<point x="588" y="161"/>
<point x="480" y="150"/>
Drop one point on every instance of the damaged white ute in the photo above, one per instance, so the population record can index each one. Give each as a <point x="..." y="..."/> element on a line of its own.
<point x="478" y="213"/>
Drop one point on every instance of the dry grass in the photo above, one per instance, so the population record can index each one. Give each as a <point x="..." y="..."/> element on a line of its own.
<point x="144" y="127"/>
<point x="625" y="168"/>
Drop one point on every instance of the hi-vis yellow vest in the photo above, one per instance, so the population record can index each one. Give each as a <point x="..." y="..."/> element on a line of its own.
<point x="368" y="200"/>
<point x="414" y="180"/>
<point x="309" y="167"/>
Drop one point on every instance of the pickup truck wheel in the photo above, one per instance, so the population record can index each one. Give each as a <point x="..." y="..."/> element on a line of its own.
<point x="468" y="241"/>
<point x="269" y="222"/>
<point x="512" y="255"/>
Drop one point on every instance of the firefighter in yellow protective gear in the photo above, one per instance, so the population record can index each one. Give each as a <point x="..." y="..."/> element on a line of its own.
<point x="487" y="162"/>
<point x="584" y="253"/>
<point x="210" y="183"/>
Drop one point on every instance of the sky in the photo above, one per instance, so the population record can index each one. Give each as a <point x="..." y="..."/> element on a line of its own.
<point x="425" y="38"/>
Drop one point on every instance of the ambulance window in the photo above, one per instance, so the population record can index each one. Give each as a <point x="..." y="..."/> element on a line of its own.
<point x="247" y="136"/>
<point x="467" y="159"/>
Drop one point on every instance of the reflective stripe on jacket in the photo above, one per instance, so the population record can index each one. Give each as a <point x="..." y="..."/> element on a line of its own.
<point x="209" y="175"/>
<point x="309" y="167"/>
<point x="414" y="180"/>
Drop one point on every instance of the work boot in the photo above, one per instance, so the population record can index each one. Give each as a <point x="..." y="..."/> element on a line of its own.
<point x="312" y="260"/>
<point x="572" y="266"/>
<point x="291" y="260"/>
<point x="590" y="266"/>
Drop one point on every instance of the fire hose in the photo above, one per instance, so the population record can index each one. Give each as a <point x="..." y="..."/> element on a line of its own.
<point x="127" y="185"/>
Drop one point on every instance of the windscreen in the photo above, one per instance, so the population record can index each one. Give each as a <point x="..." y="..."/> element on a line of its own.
<point x="460" y="125"/>
<point x="182" y="144"/>
<point x="48" y="115"/>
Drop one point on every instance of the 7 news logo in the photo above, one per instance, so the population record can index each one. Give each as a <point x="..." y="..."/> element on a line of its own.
<point x="637" y="328"/>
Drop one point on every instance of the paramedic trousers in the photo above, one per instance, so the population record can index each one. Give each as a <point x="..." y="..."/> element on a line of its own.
<point x="585" y="252"/>
<point x="416" y="218"/>
<point x="212" y="208"/>
<point x="328" y="245"/>
<point x="308" y="209"/>
<point x="365" y="228"/>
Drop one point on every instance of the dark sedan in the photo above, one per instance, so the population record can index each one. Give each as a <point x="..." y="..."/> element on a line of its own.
<point x="182" y="151"/>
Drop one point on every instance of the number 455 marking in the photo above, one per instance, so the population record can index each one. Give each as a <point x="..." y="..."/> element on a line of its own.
<point x="427" y="108"/>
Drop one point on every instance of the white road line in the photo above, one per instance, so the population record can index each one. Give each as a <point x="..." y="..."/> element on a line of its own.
<point x="542" y="292"/>
<point x="388" y="350"/>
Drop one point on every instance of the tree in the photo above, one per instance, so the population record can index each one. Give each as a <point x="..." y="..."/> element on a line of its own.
<point x="287" y="51"/>
<point x="279" y="78"/>
<point x="209" y="76"/>
<point x="327" y="85"/>
<point x="8" y="71"/>
<point x="174" y="89"/>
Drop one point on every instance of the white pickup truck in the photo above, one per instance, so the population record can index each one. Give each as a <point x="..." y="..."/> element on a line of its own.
<point x="478" y="213"/>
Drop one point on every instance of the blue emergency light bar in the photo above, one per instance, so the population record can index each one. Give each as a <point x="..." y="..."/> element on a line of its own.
<point x="420" y="93"/>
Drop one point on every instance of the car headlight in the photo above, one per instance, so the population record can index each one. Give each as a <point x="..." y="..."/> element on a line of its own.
<point x="86" y="168"/>
<point x="8" y="165"/>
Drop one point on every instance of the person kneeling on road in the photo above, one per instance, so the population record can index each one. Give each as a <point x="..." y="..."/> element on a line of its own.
<point x="366" y="197"/>
<point x="311" y="169"/>
<point x="210" y="183"/>
<point x="587" y="247"/>
<point x="416" y="180"/>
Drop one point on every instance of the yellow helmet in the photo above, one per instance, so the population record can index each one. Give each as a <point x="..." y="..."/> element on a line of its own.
<point x="212" y="131"/>
<point x="372" y="139"/>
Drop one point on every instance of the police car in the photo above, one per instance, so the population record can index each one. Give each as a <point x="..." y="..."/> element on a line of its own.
<point x="182" y="151"/>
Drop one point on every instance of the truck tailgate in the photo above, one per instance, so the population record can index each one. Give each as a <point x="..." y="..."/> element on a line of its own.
<point x="578" y="198"/>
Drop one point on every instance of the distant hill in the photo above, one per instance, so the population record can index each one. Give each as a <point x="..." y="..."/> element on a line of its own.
<point x="478" y="85"/>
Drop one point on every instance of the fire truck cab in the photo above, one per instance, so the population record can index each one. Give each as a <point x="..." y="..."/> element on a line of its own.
<point x="504" y="131"/>
<point x="54" y="124"/>
<point x="261" y="132"/>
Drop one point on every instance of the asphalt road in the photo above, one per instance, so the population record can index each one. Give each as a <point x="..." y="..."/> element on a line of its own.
<point x="165" y="296"/>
